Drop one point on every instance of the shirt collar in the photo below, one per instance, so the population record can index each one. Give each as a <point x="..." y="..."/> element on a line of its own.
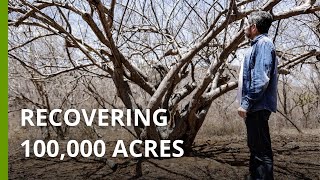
<point x="256" y="39"/>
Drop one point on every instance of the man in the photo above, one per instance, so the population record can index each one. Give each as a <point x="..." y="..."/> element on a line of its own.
<point x="258" y="93"/>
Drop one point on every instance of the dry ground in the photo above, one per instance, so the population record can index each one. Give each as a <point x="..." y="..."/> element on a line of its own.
<point x="296" y="157"/>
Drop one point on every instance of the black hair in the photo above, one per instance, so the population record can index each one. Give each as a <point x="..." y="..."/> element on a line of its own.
<point x="262" y="20"/>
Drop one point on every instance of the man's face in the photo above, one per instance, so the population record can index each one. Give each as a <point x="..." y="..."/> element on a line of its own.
<point x="248" y="29"/>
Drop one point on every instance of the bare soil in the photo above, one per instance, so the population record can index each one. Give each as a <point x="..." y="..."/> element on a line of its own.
<point x="295" y="156"/>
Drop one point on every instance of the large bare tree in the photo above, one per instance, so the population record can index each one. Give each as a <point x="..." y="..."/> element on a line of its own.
<point x="178" y="55"/>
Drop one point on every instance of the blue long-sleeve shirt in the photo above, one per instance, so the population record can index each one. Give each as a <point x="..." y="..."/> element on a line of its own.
<point x="259" y="86"/>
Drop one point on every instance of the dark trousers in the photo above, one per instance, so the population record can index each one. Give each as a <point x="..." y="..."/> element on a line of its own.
<point x="259" y="143"/>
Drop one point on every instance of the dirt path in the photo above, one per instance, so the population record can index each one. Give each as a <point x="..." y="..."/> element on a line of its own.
<point x="296" y="157"/>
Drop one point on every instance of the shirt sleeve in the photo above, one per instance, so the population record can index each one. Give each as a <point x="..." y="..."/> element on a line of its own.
<point x="260" y="74"/>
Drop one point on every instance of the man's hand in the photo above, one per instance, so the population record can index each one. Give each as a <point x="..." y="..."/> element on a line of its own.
<point x="242" y="112"/>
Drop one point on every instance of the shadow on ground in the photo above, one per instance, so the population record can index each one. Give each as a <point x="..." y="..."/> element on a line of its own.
<point x="296" y="157"/>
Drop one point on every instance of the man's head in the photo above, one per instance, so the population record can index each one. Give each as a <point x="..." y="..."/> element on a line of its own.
<point x="258" y="23"/>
